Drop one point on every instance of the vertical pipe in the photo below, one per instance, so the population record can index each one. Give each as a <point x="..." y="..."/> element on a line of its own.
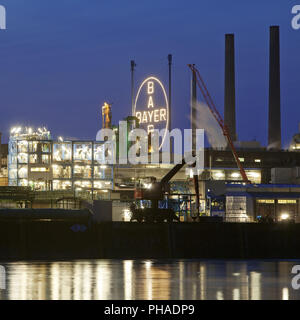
<point x="170" y="100"/>
<point x="93" y="165"/>
<point x="132" y="65"/>
<point x="229" y="98"/>
<point x="51" y="159"/>
<point x="210" y="165"/>
<point x="193" y="109"/>
<point x="274" y="132"/>
<point x="196" y="186"/>
<point x="72" y="168"/>
<point x="193" y="125"/>
<point x="170" y="91"/>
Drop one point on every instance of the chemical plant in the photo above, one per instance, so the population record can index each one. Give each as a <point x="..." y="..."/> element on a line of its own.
<point x="242" y="182"/>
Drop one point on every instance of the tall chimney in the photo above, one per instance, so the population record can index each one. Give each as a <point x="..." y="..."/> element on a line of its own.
<point x="229" y="99"/>
<point x="274" y="134"/>
<point x="132" y="66"/>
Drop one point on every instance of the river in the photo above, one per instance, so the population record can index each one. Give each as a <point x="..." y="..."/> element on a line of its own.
<point x="149" y="279"/>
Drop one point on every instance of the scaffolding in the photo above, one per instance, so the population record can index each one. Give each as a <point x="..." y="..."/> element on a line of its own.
<point x="38" y="162"/>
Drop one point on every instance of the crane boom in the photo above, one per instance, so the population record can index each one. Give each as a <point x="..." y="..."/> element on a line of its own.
<point x="218" y="118"/>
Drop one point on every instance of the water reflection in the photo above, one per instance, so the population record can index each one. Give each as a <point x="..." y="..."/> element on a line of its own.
<point x="146" y="279"/>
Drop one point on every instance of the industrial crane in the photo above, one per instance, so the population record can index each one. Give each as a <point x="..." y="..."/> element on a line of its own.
<point x="218" y="118"/>
<point x="158" y="189"/>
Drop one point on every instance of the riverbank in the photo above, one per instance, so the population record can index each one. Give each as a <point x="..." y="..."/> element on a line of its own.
<point x="67" y="239"/>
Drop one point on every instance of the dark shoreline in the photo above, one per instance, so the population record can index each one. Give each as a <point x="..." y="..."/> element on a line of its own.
<point x="60" y="240"/>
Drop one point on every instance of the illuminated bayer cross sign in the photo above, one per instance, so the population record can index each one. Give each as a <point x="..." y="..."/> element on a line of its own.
<point x="151" y="106"/>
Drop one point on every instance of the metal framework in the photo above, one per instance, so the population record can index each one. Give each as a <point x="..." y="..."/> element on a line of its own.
<point x="218" y="118"/>
<point x="45" y="165"/>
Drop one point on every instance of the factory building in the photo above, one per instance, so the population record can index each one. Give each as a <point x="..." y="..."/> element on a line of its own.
<point x="58" y="173"/>
<point x="43" y="164"/>
<point x="248" y="203"/>
<point x="57" y="170"/>
<point x="3" y="163"/>
<point x="295" y="144"/>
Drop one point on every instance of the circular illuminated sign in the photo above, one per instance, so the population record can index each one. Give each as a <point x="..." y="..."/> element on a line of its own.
<point x="151" y="106"/>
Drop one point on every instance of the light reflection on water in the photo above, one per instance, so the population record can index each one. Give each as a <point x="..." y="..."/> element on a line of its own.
<point x="149" y="279"/>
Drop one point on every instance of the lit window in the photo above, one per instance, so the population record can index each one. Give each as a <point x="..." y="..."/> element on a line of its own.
<point x="33" y="158"/>
<point x="235" y="175"/>
<point x="265" y="201"/>
<point x="82" y="171"/>
<point x="98" y="184"/>
<point x="242" y="159"/>
<point x="38" y="185"/>
<point x="62" y="185"/>
<point x="23" y="183"/>
<point x="23" y="172"/>
<point x="62" y="151"/>
<point x="101" y="172"/>
<point x="218" y="175"/>
<point x="83" y="184"/>
<point x="296" y="147"/>
<point x="284" y="201"/>
<point x="46" y="147"/>
<point x="23" y="157"/>
<point x="82" y="151"/>
<point x="45" y="158"/>
<point x="32" y="146"/>
<point x="99" y="153"/>
<point x="257" y="160"/>
<point x="43" y="169"/>
<point x="254" y="174"/>
<point x="22" y="146"/>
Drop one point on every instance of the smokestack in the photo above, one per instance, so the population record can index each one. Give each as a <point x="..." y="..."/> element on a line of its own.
<point x="132" y="66"/>
<point x="229" y="99"/>
<point x="274" y="134"/>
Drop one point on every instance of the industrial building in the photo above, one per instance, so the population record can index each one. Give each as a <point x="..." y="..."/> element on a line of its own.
<point x="3" y="163"/>
<point x="37" y="161"/>
<point x="65" y="174"/>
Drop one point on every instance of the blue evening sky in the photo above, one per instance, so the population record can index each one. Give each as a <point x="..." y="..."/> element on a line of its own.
<point x="61" y="59"/>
